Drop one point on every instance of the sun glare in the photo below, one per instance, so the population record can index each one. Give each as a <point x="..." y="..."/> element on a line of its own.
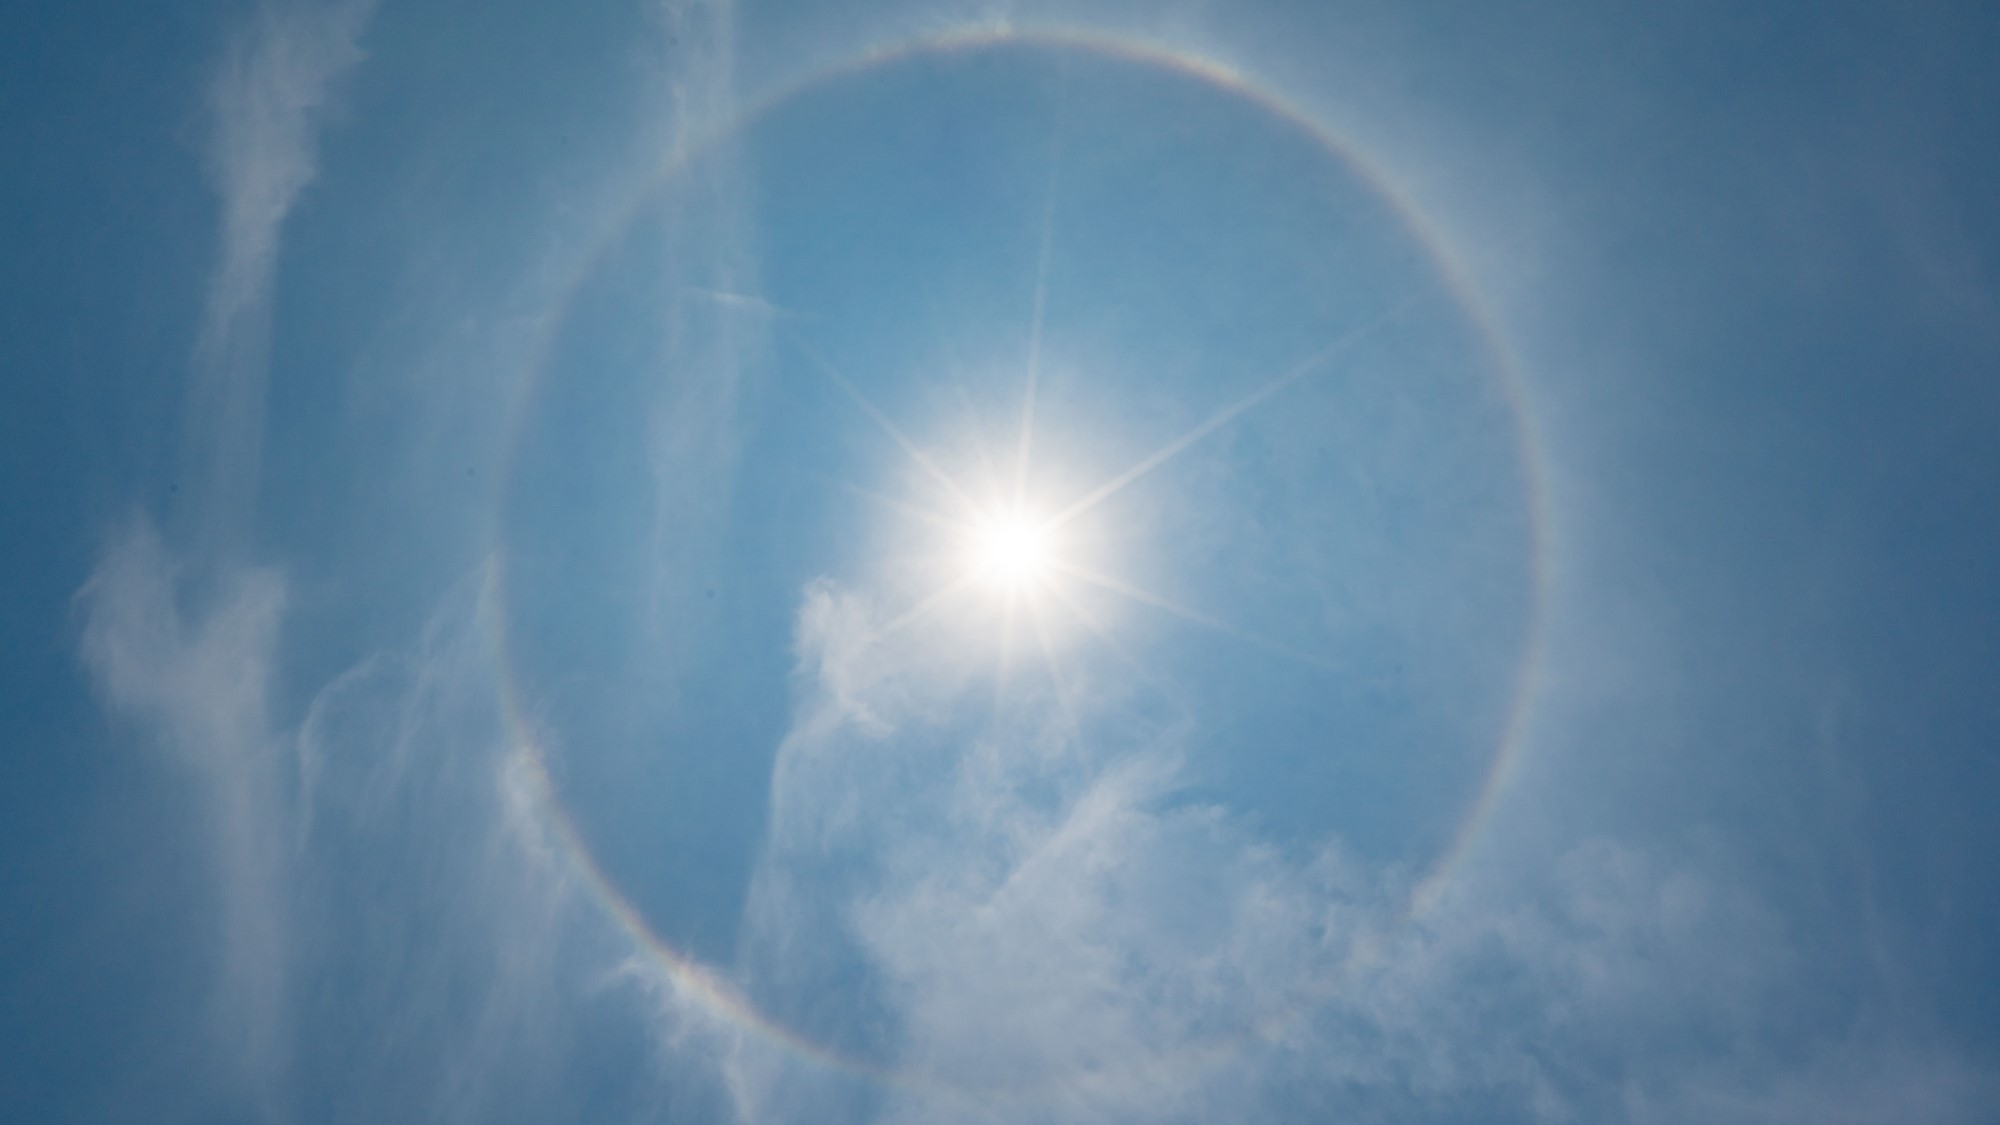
<point x="1009" y="551"/>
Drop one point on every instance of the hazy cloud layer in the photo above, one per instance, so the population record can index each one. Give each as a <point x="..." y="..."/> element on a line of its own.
<point x="1036" y="929"/>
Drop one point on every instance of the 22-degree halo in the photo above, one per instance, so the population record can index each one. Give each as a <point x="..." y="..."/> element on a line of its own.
<point x="711" y="987"/>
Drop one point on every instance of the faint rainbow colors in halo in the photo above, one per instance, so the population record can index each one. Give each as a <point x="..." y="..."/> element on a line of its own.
<point x="711" y="988"/>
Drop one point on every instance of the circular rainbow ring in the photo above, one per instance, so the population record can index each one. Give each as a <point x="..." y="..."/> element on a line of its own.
<point x="694" y="981"/>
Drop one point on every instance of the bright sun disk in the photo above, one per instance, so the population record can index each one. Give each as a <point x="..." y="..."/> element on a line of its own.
<point x="1010" y="551"/>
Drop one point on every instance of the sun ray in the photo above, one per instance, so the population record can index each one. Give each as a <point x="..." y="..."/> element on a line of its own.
<point x="1006" y="655"/>
<point x="896" y="435"/>
<point x="955" y="365"/>
<point x="1195" y="617"/>
<point x="921" y="610"/>
<point x="1226" y="415"/>
<point x="905" y="508"/>
<point x="1064" y="703"/>
<point x="1097" y="629"/>
<point x="1041" y="298"/>
<point x="1089" y="620"/>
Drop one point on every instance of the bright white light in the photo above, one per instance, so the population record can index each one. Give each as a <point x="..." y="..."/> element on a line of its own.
<point x="1010" y="551"/>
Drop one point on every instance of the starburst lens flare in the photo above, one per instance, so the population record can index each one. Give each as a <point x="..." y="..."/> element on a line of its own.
<point x="1010" y="551"/>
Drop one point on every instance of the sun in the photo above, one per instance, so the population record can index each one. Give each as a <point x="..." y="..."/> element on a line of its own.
<point x="1009" y="551"/>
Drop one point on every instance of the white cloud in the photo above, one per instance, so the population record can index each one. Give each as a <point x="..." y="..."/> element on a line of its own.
<point x="1061" y="934"/>
<point x="192" y="661"/>
<point x="397" y="938"/>
<point x="184" y="639"/>
<point x="268" y="99"/>
<point x="441" y="949"/>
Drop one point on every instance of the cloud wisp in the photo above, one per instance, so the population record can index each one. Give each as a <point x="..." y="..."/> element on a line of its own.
<point x="270" y="96"/>
<point x="180" y="633"/>
<point x="193" y="668"/>
<point x="443" y="959"/>
<point x="711" y="333"/>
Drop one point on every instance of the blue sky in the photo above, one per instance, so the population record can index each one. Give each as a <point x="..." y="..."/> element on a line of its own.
<point x="912" y="562"/>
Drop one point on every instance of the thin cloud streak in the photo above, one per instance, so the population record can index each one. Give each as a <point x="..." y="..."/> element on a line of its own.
<point x="706" y="342"/>
<point x="442" y="941"/>
<point x="182" y="636"/>
<point x="267" y="102"/>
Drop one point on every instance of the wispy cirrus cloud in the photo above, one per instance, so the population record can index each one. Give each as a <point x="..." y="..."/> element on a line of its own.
<point x="444" y="958"/>
<point x="192" y="663"/>
<point x="387" y="879"/>
<point x="705" y="344"/>
<point x="179" y="633"/>
<point x="270" y="96"/>
<point x="398" y="937"/>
